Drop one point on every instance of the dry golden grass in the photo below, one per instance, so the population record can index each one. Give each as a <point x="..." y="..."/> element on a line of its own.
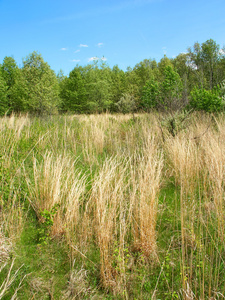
<point x="214" y="175"/>
<point x="57" y="183"/>
<point x="108" y="203"/>
<point x="148" y="178"/>
<point x="5" y="247"/>
<point x="196" y="160"/>
<point x="105" y="179"/>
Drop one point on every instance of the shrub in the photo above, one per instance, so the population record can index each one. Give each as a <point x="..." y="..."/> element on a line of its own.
<point x="126" y="104"/>
<point x="207" y="100"/>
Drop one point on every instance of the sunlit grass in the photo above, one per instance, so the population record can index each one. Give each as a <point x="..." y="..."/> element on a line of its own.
<point x="140" y="212"/>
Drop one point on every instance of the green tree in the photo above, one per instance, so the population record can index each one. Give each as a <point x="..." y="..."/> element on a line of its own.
<point x="18" y="93"/>
<point x="181" y="65"/>
<point x="60" y="76"/>
<point x="42" y="92"/>
<point x="210" y="57"/>
<point x="165" y="94"/>
<point x="171" y="89"/>
<point x="196" y="64"/>
<point x="10" y="73"/>
<point x="132" y="84"/>
<point x="162" y="65"/>
<point x="143" y="72"/>
<point x="118" y="85"/>
<point x="205" y="60"/>
<point x="98" y="85"/>
<point x="221" y="66"/>
<point x="3" y="96"/>
<point x="73" y="93"/>
<point x="151" y="96"/>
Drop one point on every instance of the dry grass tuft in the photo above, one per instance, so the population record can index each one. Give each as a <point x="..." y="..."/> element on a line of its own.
<point x="108" y="203"/>
<point x="78" y="287"/>
<point x="5" y="248"/>
<point x="148" y="177"/>
<point x="57" y="184"/>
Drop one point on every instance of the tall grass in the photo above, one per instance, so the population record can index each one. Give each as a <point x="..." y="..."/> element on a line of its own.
<point x="109" y="205"/>
<point x="141" y="212"/>
<point x="148" y="178"/>
<point x="198" y="166"/>
<point x="57" y="184"/>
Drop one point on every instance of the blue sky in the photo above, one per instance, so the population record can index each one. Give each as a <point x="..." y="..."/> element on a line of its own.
<point x="122" y="32"/>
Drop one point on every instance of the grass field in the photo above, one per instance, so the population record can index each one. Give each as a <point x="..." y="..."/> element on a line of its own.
<point x="112" y="207"/>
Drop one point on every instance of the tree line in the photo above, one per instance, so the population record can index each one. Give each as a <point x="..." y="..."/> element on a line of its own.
<point x="195" y="79"/>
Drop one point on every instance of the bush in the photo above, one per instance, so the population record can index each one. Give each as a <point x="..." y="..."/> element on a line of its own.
<point x="126" y="104"/>
<point x="207" y="100"/>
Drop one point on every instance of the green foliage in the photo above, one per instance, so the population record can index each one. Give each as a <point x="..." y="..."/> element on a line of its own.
<point x="151" y="97"/>
<point x="73" y="93"/>
<point x="171" y="89"/>
<point x="126" y="104"/>
<point x="165" y="94"/>
<point x="9" y="71"/>
<point x="163" y="64"/>
<point x="87" y="89"/>
<point x="120" y="258"/>
<point x="41" y="93"/>
<point x="97" y="88"/>
<point x="118" y="85"/>
<point x="18" y="93"/>
<point x="205" y="60"/>
<point x="180" y="63"/>
<point x="144" y="71"/>
<point x="3" y="96"/>
<point x="46" y="268"/>
<point x="46" y="224"/>
<point x="222" y="90"/>
<point x="206" y="100"/>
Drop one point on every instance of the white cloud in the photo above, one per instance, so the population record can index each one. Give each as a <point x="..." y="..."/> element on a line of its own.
<point x="63" y="49"/>
<point x="100" y="45"/>
<point x="222" y="52"/>
<point x="83" y="45"/>
<point x="75" y="60"/>
<point x="93" y="58"/>
<point x="164" y="50"/>
<point x="77" y="51"/>
<point x="97" y="58"/>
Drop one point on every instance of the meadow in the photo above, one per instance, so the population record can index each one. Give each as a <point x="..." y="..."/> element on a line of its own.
<point x="112" y="206"/>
